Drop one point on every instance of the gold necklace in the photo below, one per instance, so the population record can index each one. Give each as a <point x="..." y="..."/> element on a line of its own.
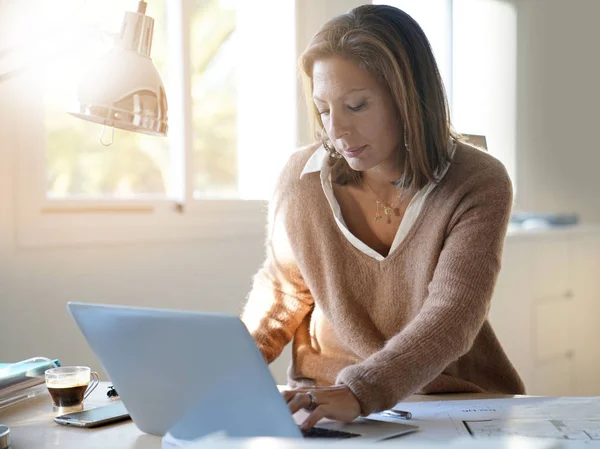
<point x="387" y="207"/>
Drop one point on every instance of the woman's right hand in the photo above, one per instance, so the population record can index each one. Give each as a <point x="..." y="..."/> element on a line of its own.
<point x="336" y="402"/>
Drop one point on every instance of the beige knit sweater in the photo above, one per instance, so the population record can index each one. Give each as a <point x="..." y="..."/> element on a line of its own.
<point x="414" y="322"/>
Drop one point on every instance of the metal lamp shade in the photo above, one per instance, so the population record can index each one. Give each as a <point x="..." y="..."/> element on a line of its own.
<point x="123" y="89"/>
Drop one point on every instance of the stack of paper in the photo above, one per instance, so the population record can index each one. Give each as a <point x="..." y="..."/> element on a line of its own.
<point x="21" y="380"/>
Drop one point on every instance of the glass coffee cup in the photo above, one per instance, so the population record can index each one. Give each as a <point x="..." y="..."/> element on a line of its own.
<point x="69" y="386"/>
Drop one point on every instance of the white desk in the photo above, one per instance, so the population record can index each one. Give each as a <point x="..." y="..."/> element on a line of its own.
<point x="32" y="426"/>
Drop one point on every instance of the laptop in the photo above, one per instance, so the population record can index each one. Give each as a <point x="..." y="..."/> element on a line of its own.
<point x="193" y="374"/>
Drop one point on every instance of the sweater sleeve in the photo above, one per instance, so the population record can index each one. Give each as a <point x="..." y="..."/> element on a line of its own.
<point x="456" y="307"/>
<point x="279" y="298"/>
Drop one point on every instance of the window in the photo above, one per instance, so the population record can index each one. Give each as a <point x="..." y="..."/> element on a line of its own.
<point x="77" y="164"/>
<point x="231" y="88"/>
<point x="485" y="75"/>
<point x="215" y="47"/>
<point x="141" y="166"/>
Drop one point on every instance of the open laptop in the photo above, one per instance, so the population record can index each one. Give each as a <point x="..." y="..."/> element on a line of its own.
<point x="193" y="374"/>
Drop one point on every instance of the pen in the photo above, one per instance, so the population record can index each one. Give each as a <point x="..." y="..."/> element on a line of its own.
<point x="400" y="413"/>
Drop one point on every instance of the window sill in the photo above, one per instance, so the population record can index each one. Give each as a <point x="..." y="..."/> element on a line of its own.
<point x="157" y="222"/>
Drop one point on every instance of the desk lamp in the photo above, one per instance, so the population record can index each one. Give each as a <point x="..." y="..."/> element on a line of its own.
<point x="123" y="88"/>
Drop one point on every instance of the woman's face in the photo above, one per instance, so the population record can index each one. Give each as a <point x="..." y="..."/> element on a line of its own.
<point x="358" y="114"/>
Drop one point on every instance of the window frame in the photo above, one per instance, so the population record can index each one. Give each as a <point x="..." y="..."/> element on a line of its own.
<point x="41" y="221"/>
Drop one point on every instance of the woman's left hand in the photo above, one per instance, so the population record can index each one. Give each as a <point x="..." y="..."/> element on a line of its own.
<point x="336" y="402"/>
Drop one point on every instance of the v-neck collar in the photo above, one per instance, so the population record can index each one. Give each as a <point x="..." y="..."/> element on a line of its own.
<point x="318" y="163"/>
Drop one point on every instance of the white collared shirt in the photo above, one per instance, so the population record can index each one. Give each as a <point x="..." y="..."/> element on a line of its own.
<point x="318" y="163"/>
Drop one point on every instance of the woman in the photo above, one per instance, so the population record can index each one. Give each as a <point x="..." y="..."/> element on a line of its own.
<point x="385" y="237"/>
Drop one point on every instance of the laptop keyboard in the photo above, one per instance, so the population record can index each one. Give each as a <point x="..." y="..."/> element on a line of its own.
<point x="319" y="432"/>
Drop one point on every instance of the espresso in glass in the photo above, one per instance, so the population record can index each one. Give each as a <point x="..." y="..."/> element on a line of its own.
<point x="67" y="396"/>
<point x="70" y="385"/>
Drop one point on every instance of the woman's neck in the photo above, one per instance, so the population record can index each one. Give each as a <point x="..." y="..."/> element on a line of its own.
<point x="382" y="178"/>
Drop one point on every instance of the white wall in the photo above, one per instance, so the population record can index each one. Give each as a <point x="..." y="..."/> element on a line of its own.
<point x="558" y="95"/>
<point x="539" y="93"/>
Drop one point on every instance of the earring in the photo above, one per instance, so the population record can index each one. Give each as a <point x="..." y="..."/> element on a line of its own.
<point x="406" y="140"/>
<point x="332" y="153"/>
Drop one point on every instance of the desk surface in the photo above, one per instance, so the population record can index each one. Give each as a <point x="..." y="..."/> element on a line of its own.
<point x="31" y="425"/>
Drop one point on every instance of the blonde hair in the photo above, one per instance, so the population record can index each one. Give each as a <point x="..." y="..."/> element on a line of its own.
<point x="391" y="46"/>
